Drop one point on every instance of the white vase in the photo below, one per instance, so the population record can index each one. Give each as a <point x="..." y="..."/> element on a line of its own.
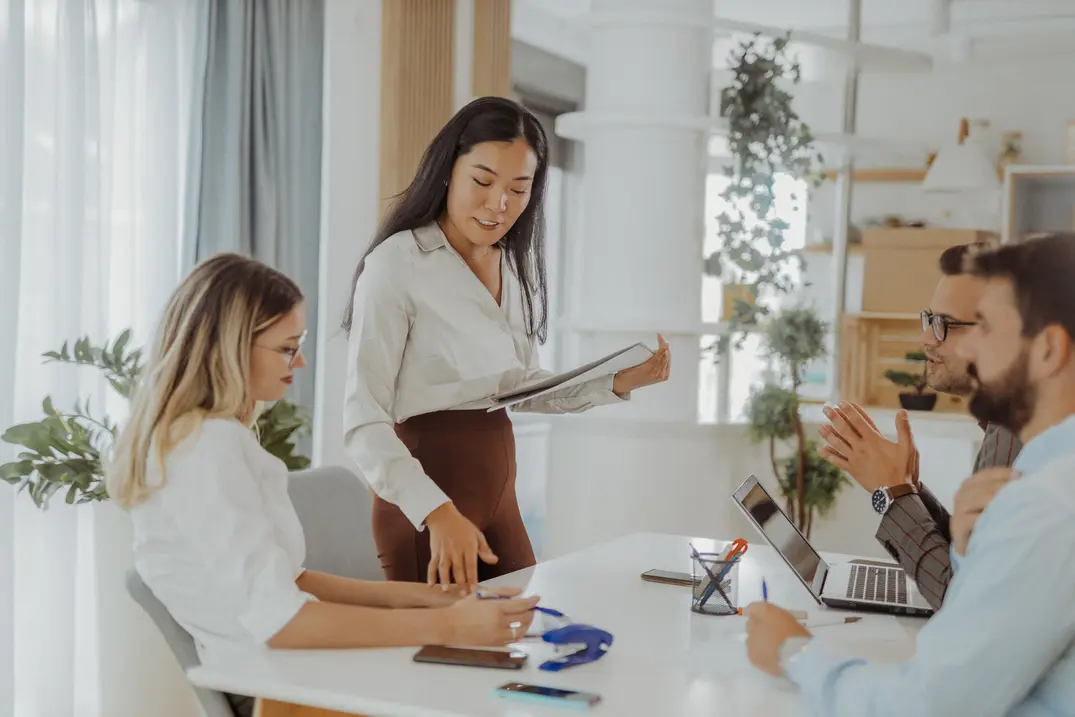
<point x="137" y="673"/>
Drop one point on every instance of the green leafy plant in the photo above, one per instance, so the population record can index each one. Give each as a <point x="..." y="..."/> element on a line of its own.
<point x="64" y="450"/>
<point x="903" y="379"/>
<point x="766" y="138"/>
<point x="793" y="338"/>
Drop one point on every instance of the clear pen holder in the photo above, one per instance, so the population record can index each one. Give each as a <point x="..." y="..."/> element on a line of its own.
<point x="716" y="584"/>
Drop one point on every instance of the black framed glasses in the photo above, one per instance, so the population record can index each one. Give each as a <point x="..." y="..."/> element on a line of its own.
<point x="941" y="324"/>
<point x="292" y="352"/>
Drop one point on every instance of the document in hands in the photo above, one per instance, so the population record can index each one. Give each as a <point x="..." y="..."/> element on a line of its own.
<point x="609" y="365"/>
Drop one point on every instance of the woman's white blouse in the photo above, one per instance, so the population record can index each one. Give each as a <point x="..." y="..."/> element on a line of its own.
<point x="428" y="336"/>
<point x="220" y="544"/>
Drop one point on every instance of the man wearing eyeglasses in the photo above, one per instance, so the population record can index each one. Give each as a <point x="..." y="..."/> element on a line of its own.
<point x="915" y="527"/>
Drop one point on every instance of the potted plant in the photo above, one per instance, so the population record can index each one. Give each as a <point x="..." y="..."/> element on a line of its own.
<point x="917" y="400"/>
<point x="809" y="484"/>
<point x="64" y="449"/>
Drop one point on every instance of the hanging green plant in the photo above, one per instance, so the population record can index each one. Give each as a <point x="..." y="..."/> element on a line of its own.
<point x="766" y="138"/>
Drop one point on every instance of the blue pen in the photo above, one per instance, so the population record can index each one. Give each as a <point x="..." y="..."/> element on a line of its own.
<point x="764" y="591"/>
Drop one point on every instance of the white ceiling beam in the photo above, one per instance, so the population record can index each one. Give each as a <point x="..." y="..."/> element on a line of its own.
<point x="867" y="57"/>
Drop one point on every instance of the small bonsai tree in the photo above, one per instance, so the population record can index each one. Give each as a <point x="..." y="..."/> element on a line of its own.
<point x="903" y="379"/>
<point x="809" y="484"/>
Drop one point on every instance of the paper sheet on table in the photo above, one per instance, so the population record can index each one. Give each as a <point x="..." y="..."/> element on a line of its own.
<point x="606" y="366"/>
<point x="873" y="633"/>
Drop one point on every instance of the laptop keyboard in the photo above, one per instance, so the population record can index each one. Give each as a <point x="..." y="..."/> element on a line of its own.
<point x="877" y="584"/>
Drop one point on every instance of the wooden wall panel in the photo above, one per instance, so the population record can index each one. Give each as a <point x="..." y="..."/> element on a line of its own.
<point x="416" y="85"/>
<point x="492" y="48"/>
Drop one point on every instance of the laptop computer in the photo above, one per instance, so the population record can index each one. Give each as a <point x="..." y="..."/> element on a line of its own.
<point x="850" y="586"/>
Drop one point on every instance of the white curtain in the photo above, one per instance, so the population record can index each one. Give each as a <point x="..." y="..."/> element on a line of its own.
<point x="94" y="113"/>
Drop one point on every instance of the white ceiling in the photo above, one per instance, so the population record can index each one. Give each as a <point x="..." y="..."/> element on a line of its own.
<point x="986" y="29"/>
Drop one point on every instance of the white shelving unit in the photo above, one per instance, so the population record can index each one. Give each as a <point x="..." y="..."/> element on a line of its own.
<point x="1037" y="198"/>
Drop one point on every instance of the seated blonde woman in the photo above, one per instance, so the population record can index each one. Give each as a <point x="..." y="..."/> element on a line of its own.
<point x="216" y="537"/>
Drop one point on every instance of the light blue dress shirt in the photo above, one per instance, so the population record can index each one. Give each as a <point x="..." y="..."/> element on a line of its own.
<point x="1002" y="643"/>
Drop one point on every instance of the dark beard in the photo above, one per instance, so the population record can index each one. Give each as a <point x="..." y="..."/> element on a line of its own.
<point x="1009" y="399"/>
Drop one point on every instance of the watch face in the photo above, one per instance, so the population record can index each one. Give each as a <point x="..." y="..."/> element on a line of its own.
<point x="880" y="500"/>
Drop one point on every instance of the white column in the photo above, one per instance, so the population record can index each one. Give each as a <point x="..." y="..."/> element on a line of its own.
<point x="644" y="130"/>
<point x="349" y="178"/>
<point x="636" y="270"/>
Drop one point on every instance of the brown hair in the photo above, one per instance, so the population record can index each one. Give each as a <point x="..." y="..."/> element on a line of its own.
<point x="1042" y="273"/>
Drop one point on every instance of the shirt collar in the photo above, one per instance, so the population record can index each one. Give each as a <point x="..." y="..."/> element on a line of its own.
<point x="1052" y="443"/>
<point x="430" y="237"/>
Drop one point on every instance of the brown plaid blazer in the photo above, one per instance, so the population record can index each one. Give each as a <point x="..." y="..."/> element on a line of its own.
<point x="915" y="529"/>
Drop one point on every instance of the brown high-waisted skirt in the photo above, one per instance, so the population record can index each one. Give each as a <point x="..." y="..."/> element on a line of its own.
<point x="471" y="456"/>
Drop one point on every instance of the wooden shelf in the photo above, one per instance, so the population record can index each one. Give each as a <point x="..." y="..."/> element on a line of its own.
<point x="874" y="342"/>
<point x="827" y="248"/>
<point x="884" y="316"/>
<point x="882" y="175"/>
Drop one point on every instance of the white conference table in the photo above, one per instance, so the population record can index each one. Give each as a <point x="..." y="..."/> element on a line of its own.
<point x="665" y="660"/>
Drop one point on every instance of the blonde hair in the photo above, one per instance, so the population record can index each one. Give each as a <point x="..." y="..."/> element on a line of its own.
<point x="199" y="365"/>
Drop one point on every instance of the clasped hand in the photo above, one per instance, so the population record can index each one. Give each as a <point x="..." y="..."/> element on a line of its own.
<point x="857" y="447"/>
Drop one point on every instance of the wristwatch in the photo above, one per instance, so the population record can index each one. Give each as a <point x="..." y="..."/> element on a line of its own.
<point x="790" y="650"/>
<point x="884" y="497"/>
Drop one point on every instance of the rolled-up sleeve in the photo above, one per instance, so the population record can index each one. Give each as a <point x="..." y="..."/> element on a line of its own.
<point x="215" y="503"/>
<point x="379" y="329"/>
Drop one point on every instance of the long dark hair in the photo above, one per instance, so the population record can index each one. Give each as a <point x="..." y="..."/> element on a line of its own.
<point x="486" y="119"/>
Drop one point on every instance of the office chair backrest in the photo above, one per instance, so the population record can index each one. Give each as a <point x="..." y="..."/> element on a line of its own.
<point x="179" y="641"/>
<point x="335" y="508"/>
<point x="336" y="511"/>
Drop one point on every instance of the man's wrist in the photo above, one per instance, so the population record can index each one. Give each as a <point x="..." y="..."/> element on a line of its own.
<point x="883" y="498"/>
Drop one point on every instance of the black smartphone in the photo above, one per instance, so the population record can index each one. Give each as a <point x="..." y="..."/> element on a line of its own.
<point x="668" y="577"/>
<point x="471" y="657"/>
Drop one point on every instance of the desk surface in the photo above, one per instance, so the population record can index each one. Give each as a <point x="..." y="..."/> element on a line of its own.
<point x="665" y="659"/>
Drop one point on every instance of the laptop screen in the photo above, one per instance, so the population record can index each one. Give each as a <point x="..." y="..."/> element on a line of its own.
<point x="779" y="530"/>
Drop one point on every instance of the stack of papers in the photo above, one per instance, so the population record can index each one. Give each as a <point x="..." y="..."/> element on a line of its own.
<point x="609" y="365"/>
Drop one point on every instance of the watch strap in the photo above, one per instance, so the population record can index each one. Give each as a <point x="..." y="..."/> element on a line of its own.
<point x="900" y="490"/>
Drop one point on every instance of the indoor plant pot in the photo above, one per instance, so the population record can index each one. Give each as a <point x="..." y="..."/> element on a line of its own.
<point x="918" y="401"/>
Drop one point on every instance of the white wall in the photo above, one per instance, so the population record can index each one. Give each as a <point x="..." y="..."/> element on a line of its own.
<point x="686" y="490"/>
<point x="1021" y="96"/>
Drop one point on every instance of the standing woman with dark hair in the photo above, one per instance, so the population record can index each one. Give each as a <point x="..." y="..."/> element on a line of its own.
<point x="449" y="303"/>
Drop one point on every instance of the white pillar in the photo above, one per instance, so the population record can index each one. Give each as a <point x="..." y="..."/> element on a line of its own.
<point x="644" y="130"/>
<point x="636" y="270"/>
<point x="349" y="180"/>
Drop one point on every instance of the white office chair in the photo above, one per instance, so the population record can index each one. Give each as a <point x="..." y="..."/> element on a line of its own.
<point x="335" y="509"/>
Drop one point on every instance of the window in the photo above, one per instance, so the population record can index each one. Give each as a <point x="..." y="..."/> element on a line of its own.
<point x="723" y="389"/>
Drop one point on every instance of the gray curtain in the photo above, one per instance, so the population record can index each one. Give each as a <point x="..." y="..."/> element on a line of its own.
<point x="254" y="183"/>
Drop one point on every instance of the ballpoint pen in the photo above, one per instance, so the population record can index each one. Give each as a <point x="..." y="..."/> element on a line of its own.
<point x="764" y="591"/>
<point x="825" y="622"/>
